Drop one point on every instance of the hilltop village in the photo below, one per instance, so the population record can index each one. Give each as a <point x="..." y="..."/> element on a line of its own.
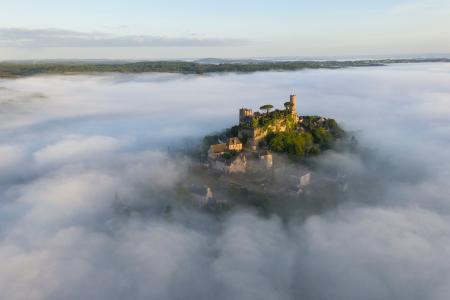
<point x="265" y="161"/>
<point x="249" y="145"/>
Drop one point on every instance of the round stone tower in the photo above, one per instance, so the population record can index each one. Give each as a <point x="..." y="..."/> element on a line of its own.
<point x="293" y="100"/>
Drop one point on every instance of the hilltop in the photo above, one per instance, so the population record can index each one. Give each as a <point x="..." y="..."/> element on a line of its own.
<point x="258" y="134"/>
<point x="266" y="157"/>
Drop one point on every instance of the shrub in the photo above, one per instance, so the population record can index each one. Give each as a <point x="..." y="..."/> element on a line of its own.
<point x="227" y="155"/>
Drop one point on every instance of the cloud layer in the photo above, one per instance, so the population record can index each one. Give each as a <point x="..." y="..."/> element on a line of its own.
<point x="85" y="181"/>
<point x="49" y="38"/>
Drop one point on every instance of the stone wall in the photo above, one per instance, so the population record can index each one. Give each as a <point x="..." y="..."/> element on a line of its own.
<point x="238" y="165"/>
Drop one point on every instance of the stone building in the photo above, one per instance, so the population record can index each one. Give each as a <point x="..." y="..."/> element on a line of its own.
<point x="251" y="132"/>
<point x="236" y="164"/>
<point x="245" y="115"/>
<point x="267" y="159"/>
<point x="216" y="151"/>
<point x="234" y="144"/>
<point x="293" y="101"/>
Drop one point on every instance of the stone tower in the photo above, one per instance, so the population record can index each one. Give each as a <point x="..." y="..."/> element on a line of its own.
<point x="293" y="100"/>
<point x="245" y="114"/>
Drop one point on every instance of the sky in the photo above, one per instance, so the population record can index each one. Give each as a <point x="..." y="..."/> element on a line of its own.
<point x="228" y="29"/>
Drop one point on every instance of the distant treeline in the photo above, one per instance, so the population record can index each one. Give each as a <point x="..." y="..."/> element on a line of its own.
<point x="14" y="70"/>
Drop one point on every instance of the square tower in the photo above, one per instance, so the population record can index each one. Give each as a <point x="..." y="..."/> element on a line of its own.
<point x="244" y="115"/>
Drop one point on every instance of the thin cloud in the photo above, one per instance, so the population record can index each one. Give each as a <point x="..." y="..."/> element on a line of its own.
<point x="49" y="38"/>
<point x="419" y="7"/>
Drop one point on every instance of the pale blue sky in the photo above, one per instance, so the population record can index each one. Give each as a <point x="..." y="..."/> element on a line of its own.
<point x="198" y="28"/>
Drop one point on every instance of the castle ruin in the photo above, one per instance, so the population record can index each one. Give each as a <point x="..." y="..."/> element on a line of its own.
<point x="243" y="150"/>
<point x="253" y="134"/>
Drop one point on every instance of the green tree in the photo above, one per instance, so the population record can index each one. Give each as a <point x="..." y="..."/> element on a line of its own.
<point x="277" y="143"/>
<point x="288" y="105"/>
<point x="322" y="137"/>
<point x="266" y="107"/>
<point x="291" y="142"/>
<point x="255" y="123"/>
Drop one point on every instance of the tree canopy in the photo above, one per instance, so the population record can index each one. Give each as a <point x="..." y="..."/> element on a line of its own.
<point x="316" y="134"/>
<point x="292" y="142"/>
<point x="14" y="69"/>
<point x="266" y="107"/>
<point x="288" y="105"/>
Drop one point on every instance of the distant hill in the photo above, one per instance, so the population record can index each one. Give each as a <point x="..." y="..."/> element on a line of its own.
<point x="21" y="69"/>
<point x="218" y="61"/>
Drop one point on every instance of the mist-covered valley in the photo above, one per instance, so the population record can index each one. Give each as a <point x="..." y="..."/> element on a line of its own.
<point x="86" y="176"/>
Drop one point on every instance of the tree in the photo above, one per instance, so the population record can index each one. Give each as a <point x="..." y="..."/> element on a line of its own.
<point x="322" y="137"/>
<point x="266" y="107"/>
<point x="291" y="142"/>
<point x="288" y="105"/>
<point x="255" y="123"/>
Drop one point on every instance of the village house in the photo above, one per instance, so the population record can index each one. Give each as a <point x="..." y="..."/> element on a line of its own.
<point x="218" y="150"/>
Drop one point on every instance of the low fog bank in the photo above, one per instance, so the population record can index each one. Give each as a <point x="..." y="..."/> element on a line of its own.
<point x="86" y="181"/>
